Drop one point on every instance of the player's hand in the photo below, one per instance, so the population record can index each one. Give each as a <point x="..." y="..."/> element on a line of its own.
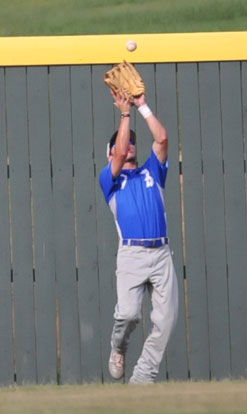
<point x="139" y="100"/>
<point x="121" y="101"/>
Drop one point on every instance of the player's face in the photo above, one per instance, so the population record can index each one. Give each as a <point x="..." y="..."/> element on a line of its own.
<point x="131" y="151"/>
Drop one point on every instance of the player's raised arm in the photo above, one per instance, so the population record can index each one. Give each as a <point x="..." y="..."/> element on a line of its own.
<point x="158" y="131"/>
<point x="120" y="151"/>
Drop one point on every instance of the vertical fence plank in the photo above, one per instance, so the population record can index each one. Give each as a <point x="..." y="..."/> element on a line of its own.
<point x="167" y="113"/>
<point x="85" y="182"/>
<point x="193" y="213"/>
<point x="45" y="291"/>
<point x="16" y="99"/>
<point x="107" y="235"/>
<point x="60" y="106"/>
<point x="244" y="117"/>
<point x="244" y="109"/>
<point x="209" y="85"/>
<point x="6" y="346"/>
<point x="144" y="136"/>
<point x="235" y="201"/>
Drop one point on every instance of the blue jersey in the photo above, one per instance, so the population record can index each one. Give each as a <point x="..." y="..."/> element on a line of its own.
<point x="136" y="199"/>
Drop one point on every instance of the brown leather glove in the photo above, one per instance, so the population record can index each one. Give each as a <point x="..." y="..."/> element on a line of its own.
<point x="125" y="78"/>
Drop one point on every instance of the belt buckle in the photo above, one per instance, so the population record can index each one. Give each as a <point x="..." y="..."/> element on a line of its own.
<point x="153" y="243"/>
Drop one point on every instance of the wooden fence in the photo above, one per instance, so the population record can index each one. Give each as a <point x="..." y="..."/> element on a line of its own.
<point x="58" y="242"/>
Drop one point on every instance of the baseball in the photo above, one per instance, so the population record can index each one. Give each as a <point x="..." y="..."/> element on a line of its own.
<point x="131" y="45"/>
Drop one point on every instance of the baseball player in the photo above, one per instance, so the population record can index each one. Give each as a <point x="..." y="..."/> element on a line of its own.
<point x="134" y="195"/>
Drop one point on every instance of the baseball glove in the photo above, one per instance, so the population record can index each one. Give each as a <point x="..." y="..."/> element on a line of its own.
<point x="125" y="78"/>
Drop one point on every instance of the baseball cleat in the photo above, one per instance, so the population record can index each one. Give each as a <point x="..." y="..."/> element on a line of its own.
<point x="116" y="365"/>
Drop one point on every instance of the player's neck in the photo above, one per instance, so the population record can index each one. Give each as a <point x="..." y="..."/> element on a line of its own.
<point x="130" y="164"/>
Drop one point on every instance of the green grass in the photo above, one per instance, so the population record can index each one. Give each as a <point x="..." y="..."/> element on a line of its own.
<point x="73" y="17"/>
<point x="224" y="397"/>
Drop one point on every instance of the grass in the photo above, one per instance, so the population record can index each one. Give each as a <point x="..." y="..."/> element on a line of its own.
<point x="164" y="398"/>
<point x="73" y="17"/>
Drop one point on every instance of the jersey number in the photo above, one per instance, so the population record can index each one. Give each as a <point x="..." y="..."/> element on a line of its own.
<point x="148" y="179"/>
<point x="124" y="182"/>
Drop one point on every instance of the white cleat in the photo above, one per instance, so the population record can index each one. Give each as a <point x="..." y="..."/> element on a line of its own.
<point x="116" y="365"/>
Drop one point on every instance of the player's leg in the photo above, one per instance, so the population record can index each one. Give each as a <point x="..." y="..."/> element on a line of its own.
<point x="130" y="284"/>
<point x="130" y="291"/>
<point x="164" y="297"/>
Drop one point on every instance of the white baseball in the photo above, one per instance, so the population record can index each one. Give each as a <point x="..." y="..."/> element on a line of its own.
<point x="131" y="45"/>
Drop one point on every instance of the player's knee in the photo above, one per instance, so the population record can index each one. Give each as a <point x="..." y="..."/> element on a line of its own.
<point x="132" y="315"/>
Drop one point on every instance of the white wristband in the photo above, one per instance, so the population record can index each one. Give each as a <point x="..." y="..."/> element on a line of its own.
<point x="144" y="110"/>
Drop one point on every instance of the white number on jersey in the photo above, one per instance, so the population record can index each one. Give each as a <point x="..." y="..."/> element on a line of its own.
<point x="124" y="182"/>
<point x="148" y="178"/>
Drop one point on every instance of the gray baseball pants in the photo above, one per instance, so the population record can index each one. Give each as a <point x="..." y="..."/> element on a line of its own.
<point x="138" y="267"/>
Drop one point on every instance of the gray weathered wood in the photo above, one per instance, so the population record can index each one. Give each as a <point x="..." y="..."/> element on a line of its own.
<point x="215" y="251"/>
<point x="106" y="231"/>
<point x="86" y="226"/>
<point x="144" y="137"/>
<point x="17" y="133"/>
<point x="244" y="106"/>
<point x="244" y="116"/>
<point x="43" y="234"/>
<point x="6" y="344"/>
<point x="235" y="211"/>
<point x="194" y="222"/>
<point x="61" y="140"/>
<point x="167" y="113"/>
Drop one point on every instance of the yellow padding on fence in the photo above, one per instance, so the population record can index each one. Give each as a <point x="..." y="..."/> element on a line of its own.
<point x="101" y="49"/>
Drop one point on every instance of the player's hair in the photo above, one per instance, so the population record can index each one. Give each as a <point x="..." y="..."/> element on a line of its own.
<point x="114" y="136"/>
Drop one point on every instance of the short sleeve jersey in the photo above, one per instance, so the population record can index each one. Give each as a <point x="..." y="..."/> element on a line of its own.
<point x="136" y="199"/>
